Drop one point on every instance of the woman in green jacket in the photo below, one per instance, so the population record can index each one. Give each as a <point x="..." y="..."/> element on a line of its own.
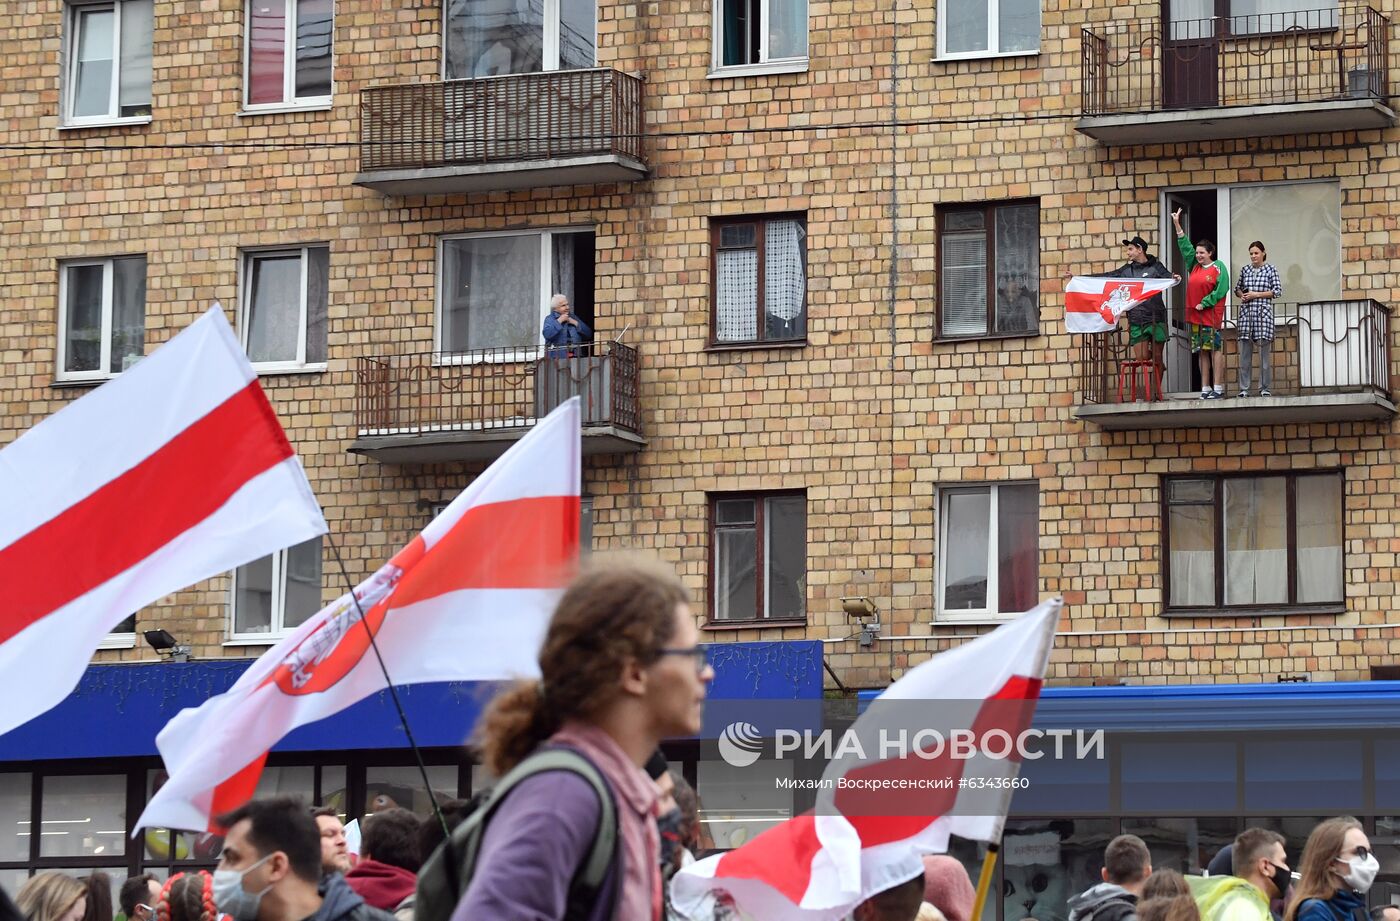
<point x="1207" y="288"/>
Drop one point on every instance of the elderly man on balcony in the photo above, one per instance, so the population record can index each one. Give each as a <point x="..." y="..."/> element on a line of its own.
<point x="562" y="330"/>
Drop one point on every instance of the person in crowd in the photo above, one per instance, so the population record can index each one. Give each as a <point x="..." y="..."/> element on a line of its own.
<point x="137" y="897"/>
<point x="948" y="888"/>
<point x="52" y="897"/>
<point x="563" y="330"/>
<point x="1126" y="866"/>
<point x="898" y="903"/>
<point x="187" y="897"/>
<point x="1164" y="883"/>
<point x="1257" y="287"/>
<point x="1258" y="872"/>
<point x="270" y="869"/>
<point x="430" y="830"/>
<point x="1148" y="329"/>
<point x="1207" y="288"/>
<point x="1336" y="871"/>
<point x="1223" y="863"/>
<point x="929" y="912"/>
<point x="335" y="850"/>
<point x="1169" y="908"/>
<point x="1385" y="913"/>
<point x="621" y="669"/>
<point x="9" y="911"/>
<point x="99" y="900"/>
<point x="684" y="795"/>
<point x="387" y="871"/>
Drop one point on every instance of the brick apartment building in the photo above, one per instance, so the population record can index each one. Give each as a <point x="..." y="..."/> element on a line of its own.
<point x="821" y="247"/>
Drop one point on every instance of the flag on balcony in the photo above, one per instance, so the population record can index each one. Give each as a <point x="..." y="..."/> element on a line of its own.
<point x="467" y="599"/>
<point x="869" y="837"/>
<point x="1093" y="305"/>
<point x="175" y="471"/>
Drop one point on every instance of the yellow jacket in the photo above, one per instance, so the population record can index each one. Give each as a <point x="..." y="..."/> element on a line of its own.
<point x="1228" y="898"/>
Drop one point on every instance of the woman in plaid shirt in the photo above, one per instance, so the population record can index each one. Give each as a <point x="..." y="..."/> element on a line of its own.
<point x="1257" y="287"/>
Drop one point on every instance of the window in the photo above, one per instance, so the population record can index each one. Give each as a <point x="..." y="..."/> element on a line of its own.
<point x="989" y="270"/>
<point x="495" y="288"/>
<point x="1205" y="19"/>
<point x="288" y="52"/>
<point x="1252" y="541"/>
<point x="760" y="34"/>
<point x="101" y="317"/>
<point x="284" y="307"/>
<point x="983" y="28"/>
<point x="485" y="38"/>
<point x="585" y="526"/>
<point x="759" y="547"/>
<point x="109" y="62"/>
<point x="278" y="592"/>
<point x="989" y="550"/>
<point x="771" y="249"/>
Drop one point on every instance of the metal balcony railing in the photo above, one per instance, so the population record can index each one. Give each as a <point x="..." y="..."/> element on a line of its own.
<point x="1318" y="348"/>
<point x="492" y="389"/>
<point x="1150" y="65"/>
<point x="506" y="119"/>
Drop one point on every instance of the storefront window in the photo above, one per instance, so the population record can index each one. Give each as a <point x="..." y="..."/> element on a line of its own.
<point x="971" y="854"/>
<point x="333" y="791"/>
<point x="388" y="787"/>
<point x="162" y="847"/>
<point x="14" y="816"/>
<point x="1385" y="844"/>
<point x="1170" y="777"/>
<point x="738" y="804"/>
<point x="1315" y="775"/>
<point x="11" y="880"/>
<point x="83" y="816"/>
<point x="1295" y="831"/>
<point x="1045" y="861"/>
<point x="1183" y="845"/>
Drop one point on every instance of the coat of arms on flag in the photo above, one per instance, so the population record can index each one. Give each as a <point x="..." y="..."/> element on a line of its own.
<point x="1094" y="305"/>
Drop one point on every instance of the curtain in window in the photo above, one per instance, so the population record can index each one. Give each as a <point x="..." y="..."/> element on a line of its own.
<point x="736" y="555"/>
<point x="967" y="537"/>
<point x="134" y="80"/>
<point x="785" y="279"/>
<point x="1256" y="541"/>
<point x="1192" y="530"/>
<point x="1319" y="512"/>
<point x="317" y="284"/>
<point x="128" y="312"/>
<point x="83" y="335"/>
<point x="965" y="25"/>
<point x="491" y="293"/>
<point x="486" y="38"/>
<point x="314" y="34"/>
<point x="736" y="295"/>
<point x="562" y="270"/>
<point x="963" y="305"/>
<point x="1018" y="548"/>
<point x="95" y="48"/>
<point x="786" y="556"/>
<point x="1301" y="227"/>
<point x="267" y="41"/>
<point x="787" y="29"/>
<point x="1018" y="268"/>
<point x="274" y="308"/>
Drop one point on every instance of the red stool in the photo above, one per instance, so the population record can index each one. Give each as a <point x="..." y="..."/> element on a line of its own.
<point x="1151" y="375"/>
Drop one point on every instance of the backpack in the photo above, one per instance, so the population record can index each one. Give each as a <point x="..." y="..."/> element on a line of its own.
<point x="444" y="877"/>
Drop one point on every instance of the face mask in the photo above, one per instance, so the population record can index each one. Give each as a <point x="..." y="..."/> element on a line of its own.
<point x="1281" y="877"/>
<point x="1362" y="873"/>
<point x="232" y="899"/>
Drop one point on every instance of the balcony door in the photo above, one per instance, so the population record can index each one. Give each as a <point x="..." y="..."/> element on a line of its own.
<point x="491" y="38"/>
<point x="1191" y="32"/>
<point x="1198" y="219"/>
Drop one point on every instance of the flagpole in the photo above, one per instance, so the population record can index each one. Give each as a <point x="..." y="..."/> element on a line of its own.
<point x="984" y="882"/>
<point x="393" y="692"/>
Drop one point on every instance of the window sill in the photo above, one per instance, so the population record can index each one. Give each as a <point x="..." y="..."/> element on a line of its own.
<point x="983" y="56"/>
<point x="723" y="625"/>
<point x="118" y="641"/>
<point x="106" y="123"/>
<point x="1327" y="610"/>
<point x="944" y="340"/>
<point x="318" y="106"/>
<point x="62" y="384"/>
<point x="268" y="639"/>
<point x="751" y="346"/>
<point x="970" y="620"/>
<point x="758" y="70"/>
<point x="274" y="370"/>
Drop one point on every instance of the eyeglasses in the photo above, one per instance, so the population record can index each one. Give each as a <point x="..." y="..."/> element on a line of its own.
<point x="1362" y="852"/>
<point x="701" y="655"/>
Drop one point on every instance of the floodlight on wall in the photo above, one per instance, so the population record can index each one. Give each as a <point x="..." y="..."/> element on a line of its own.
<point x="165" y="645"/>
<point x="865" y="611"/>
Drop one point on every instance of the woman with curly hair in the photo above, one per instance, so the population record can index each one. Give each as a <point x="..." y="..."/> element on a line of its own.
<point x="187" y="897"/>
<point x="53" y="897"/>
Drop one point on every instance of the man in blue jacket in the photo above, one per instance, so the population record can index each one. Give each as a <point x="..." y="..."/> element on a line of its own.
<point x="562" y="329"/>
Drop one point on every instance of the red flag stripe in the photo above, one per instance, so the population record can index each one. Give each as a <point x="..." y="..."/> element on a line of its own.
<point x="185" y="481"/>
<point x="781" y="857"/>
<point x="234" y="792"/>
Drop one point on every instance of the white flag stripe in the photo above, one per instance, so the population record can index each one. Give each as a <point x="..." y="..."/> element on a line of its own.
<point x="130" y="417"/>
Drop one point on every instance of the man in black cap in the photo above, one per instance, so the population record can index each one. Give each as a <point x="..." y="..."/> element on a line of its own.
<point x="1147" y="322"/>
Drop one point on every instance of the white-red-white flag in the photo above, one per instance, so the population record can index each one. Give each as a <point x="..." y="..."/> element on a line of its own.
<point x="1093" y="304"/>
<point x="468" y="599"/>
<point x="870" y="835"/>
<point x="175" y="471"/>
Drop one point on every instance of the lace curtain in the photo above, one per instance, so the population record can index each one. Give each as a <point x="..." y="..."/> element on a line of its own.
<point x="491" y="293"/>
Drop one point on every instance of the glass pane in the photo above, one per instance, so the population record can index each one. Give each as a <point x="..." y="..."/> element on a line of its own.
<point x="314" y="27"/>
<point x="201" y="847"/>
<point x="965" y="27"/>
<point x="11" y="880"/>
<point x="267" y="49"/>
<point x="318" y="260"/>
<point x="785" y="279"/>
<point x="486" y="38"/>
<point x="252" y="597"/>
<point x="1018" y="269"/>
<point x="128" y="312"/>
<point x="1173" y="776"/>
<point x="491" y="293"/>
<point x="963" y="291"/>
<point x="134" y="91"/>
<point x="1018" y="548"/>
<point x="1191" y="529"/>
<point x="14" y="816"/>
<point x="787" y="29"/>
<point x="964" y="220"/>
<point x="1295" y="831"/>
<point x="333" y="789"/>
<point x="1183" y="845"/>
<point x="737" y="804"/>
<point x="736" y="295"/>
<point x="967" y="522"/>
<point x="1319" y="523"/>
<point x="1301" y="775"/>
<point x="83" y="816"/>
<point x="735" y="511"/>
<point x="83" y="335"/>
<point x="738" y="235"/>
<point x="274" y="312"/>
<point x="390" y="787"/>
<point x="1046" y="861"/>
<point x="1191" y="491"/>
<point x="93" y="60"/>
<point x="1256" y="540"/>
<point x="1191" y="19"/>
<point x="1300" y="227"/>
<point x="786" y="555"/>
<point x="576" y="33"/>
<point x="585" y="526"/>
<point x="1385" y="844"/>
<point x="1252" y="17"/>
<point x="126" y="626"/>
<point x="736" y="592"/>
<point x="741" y="32"/>
<point x="295" y="781"/>
<point x="303" y="596"/>
<point x="1019" y="25"/>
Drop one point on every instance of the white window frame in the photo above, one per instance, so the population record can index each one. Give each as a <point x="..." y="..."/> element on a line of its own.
<point x="245" y="307"/>
<point x="105" y="361"/>
<point x="71" y="9"/>
<point x="545" y="286"/>
<point x="119" y="639"/>
<point x="993" y="35"/>
<point x="290" y="102"/>
<point x="277" y="628"/>
<point x="988" y="614"/>
<point x="720" y="70"/>
<point x="550" y="39"/>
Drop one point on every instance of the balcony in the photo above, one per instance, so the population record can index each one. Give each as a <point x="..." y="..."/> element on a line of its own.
<point x="1150" y="81"/>
<point x="552" y="128"/>
<point x="471" y="406"/>
<point x="1331" y="363"/>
